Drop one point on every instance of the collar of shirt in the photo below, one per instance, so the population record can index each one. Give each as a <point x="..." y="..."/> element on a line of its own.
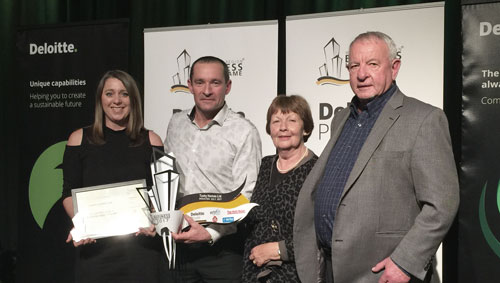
<point x="375" y="105"/>
<point x="218" y="119"/>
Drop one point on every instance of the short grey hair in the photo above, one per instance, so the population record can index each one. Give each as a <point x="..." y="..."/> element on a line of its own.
<point x="393" y="51"/>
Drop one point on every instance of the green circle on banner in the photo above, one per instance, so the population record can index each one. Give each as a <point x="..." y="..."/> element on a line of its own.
<point x="485" y="227"/>
<point x="46" y="180"/>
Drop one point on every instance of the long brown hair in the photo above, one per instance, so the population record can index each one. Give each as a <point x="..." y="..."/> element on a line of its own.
<point x="135" y="123"/>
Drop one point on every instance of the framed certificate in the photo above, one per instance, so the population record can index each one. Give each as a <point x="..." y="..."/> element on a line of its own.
<point x="109" y="210"/>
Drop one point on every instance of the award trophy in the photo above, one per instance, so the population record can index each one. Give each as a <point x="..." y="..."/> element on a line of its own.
<point x="205" y="208"/>
<point x="162" y="197"/>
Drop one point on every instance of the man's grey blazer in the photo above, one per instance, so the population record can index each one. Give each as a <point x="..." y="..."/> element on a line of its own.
<point x="399" y="200"/>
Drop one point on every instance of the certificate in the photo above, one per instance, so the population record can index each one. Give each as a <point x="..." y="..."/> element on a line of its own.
<point x="109" y="210"/>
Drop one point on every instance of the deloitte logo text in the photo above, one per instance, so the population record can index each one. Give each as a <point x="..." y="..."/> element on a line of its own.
<point x="55" y="48"/>
<point x="487" y="28"/>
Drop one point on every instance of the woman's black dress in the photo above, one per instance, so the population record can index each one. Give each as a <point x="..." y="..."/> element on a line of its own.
<point x="126" y="258"/>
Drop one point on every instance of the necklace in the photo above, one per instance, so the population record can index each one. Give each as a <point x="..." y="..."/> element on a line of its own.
<point x="296" y="163"/>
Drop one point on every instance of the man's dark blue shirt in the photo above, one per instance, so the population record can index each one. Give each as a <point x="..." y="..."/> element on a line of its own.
<point x="341" y="161"/>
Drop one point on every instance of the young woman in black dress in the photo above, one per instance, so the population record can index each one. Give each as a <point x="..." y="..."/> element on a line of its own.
<point x="115" y="148"/>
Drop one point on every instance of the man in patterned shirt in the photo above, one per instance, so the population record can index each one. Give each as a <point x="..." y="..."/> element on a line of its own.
<point x="216" y="150"/>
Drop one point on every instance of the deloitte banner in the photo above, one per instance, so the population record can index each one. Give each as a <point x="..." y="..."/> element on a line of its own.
<point x="479" y="214"/>
<point x="317" y="47"/>
<point x="250" y="51"/>
<point x="58" y="71"/>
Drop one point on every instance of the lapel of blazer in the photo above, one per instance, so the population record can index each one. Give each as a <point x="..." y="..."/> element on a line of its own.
<point x="319" y="168"/>
<point x="387" y="117"/>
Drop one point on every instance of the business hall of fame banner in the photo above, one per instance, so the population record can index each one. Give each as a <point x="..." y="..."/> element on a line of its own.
<point x="250" y="51"/>
<point x="479" y="214"/>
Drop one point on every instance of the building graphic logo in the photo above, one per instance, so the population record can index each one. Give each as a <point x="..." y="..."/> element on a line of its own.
<point x="488" y="234"/>
<point x="331" y="70"/>
<point x="181" y="77"/>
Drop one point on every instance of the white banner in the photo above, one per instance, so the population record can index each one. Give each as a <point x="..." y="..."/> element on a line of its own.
<point x="250" y="50"/>
<point x="317" y="47"/>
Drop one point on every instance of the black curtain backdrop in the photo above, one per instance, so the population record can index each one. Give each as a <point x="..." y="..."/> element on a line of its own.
<point x="479" y="249"/>
<point x="165" y="13"/>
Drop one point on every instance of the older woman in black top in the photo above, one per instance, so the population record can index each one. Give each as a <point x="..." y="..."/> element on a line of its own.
<point x="269" y="255"/>
<point x="116" y="148"/>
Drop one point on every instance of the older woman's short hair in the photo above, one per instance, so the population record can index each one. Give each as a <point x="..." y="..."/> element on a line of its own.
<point x="293" y="103"/>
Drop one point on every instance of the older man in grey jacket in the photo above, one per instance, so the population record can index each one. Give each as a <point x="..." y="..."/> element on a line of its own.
<point x="384" y="192"/>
